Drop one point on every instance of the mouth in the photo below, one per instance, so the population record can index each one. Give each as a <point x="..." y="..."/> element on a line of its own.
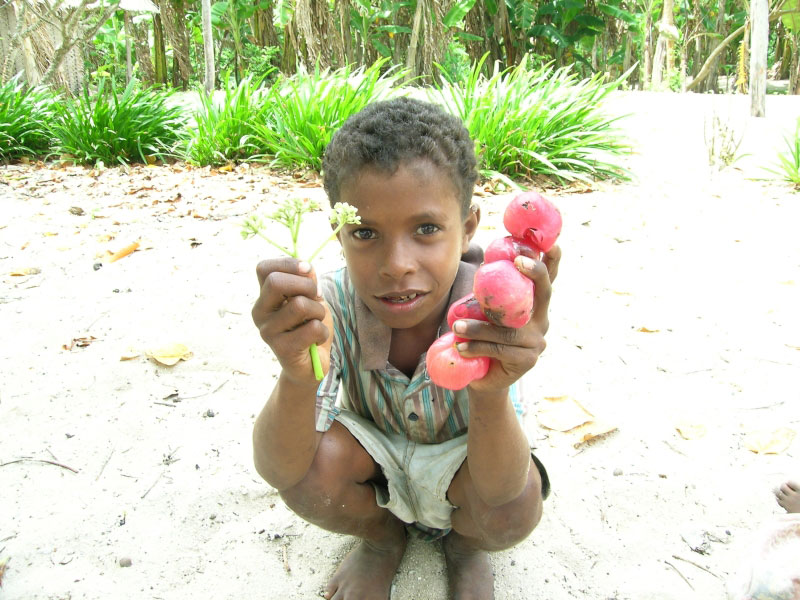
<point x="401" y="298"/>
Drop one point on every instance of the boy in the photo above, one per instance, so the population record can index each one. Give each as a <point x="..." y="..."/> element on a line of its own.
<point x="399" y="453"/>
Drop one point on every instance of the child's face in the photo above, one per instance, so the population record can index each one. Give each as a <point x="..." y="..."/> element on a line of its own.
<point x="403" y="257"/>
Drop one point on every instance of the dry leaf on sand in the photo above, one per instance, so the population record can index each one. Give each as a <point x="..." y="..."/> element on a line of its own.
<point x="691" y="431"/>
<point x="129" y="249"/>
<point x="767" y="441"/>
<point x="590" y="431"/>
<point x="171" y="354"/>
<point x="25" y="272"/>
<point x="562" y="413"/>
<point x="646" y="330"/>
<point x="129" y="354"/>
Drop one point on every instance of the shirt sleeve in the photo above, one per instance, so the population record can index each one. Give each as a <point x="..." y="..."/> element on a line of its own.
<point x="328" y="391"/>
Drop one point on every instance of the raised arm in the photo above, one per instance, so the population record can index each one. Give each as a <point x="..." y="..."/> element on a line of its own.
<point x="290" y="316"/>
<point x="498" y="453"/>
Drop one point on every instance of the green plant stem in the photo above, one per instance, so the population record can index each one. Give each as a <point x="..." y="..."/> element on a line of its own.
<point x="330" y="239"/>
<point x="315" y="362"/>
<point x="278" y="246"/>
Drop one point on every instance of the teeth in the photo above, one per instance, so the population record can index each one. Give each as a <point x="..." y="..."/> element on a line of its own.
<point x="399" y="299"/>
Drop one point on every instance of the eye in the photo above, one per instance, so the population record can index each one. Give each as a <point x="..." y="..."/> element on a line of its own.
<point x="427" y="229"/>
<point x="364" y="234"/>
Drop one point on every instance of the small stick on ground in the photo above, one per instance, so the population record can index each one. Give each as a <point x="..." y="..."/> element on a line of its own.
<point x="679" y="573"/>
<point x="286" y="558"/>
<point x="675" y="556"/>
<point x="39" y="460"/>
<point x="50" y="452"/>
<point x="104" y="464"/>
<point x="160" y="475"/>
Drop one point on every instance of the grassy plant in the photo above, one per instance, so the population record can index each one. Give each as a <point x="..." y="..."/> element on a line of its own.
<point x="225" y="129"/>
<point x="788" y="165"/>
<point x="24" y="115"/>
<point x="137" y="126"/>
<point x="305" y="110"/>
<point x="538" y="121"/>
<point x="722" y="142"/>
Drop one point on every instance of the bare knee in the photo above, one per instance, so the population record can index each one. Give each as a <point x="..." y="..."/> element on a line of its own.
<point x="504" y="526"/>
<point x="338" y="463"/>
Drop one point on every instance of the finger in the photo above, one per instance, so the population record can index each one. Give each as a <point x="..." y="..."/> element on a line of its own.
<point x="284" y="264"/>
<point x="300" y="338"/>
<point x="536" y="270"/>
<point x="294" y="312"/>
<point x="278" y="287"/>
<point x="480" y="338"/>
<point x="513" y="358"/>
<point x="552" y="258"/>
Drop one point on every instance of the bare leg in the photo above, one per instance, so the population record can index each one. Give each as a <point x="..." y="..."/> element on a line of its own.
<point x="336" y="495"/>
<point x="788" y="496"/>
<point x="479" y="528"/>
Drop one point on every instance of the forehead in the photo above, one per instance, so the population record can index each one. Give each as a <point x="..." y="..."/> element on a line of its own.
<point x="414" y="183"/>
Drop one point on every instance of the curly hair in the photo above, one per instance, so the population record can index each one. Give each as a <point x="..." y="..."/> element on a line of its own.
<point x="385" y="134"/>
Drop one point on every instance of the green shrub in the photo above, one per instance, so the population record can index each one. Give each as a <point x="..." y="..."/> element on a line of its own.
<point x="225" y="129"/>
<point x="540" y="121"/>
<point x="788" y="165"/>
<point x="138" y="126"/>
<point x="25" y="113"/>
<point x="303" y="111"/>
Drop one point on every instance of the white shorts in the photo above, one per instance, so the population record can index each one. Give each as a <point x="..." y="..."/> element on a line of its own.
<point x="417" y="475"/>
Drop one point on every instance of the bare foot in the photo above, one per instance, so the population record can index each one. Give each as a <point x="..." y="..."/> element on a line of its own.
<point x="469" y="570"/>
<point x="367" y="572"/>
<point x="788" y="496"/>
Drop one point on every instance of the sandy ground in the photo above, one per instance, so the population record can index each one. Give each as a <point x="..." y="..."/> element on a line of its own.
<point x="676" y="304"/>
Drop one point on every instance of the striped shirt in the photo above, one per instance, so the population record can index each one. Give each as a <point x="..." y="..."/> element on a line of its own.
<point x="366" y="383"/>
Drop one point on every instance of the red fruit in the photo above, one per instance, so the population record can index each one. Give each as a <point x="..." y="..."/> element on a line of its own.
<point x="507" y="248"/>
<point x="448" y="369"/>
<point x="505" y="294"/>
<point x="465" y="308"/>
<point x="532" y="217"/>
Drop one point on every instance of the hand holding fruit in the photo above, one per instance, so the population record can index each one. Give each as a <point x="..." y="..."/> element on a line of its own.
<point x="506" y="293"/>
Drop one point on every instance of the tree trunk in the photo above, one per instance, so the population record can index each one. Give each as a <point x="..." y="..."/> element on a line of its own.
<point x="208" y="47"/>
<point x="264" y="33"/>
<point x="174" y="22"/>
<point x="159" y="51"/>
<point x="142" y="50"/>
<point x="759" y="41"/>
<point x="411" y="56"/>
<point x="664" y="60"/>
<point x="648" y="63"/>
<point x="128" y="57"/>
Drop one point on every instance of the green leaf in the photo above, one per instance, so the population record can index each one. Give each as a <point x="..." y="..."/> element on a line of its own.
<point x="457" y="12"/>
<point x="792" y="21"/>
<point x="382" y="48"/>
<point x="467" y="37"/>
<point x="618" y="13"/>
<point x="218" y="11"/>
<point x="550" y="33"/>
<point x="590" y="22"/>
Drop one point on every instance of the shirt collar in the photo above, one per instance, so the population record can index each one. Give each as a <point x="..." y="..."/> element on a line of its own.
<point x="375" y="337"/>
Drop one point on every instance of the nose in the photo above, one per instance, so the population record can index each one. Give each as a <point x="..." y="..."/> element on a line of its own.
<point x="398" y="260"/>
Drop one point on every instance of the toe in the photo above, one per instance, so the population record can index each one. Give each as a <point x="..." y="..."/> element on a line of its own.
<point x="793" y="486"/>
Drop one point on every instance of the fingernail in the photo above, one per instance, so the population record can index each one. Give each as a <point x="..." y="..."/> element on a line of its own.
<point x="304" y="267"/>
<point x="460" y="327"/>
<point x="461" y="347"/>
<point x="526" y="263"/>
<point x="319" y="289"/>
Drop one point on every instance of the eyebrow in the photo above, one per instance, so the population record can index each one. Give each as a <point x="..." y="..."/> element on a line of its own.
<point x="422" y="217"/>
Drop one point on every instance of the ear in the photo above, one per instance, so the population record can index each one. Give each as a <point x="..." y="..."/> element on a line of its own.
<point x="470" y="226"/>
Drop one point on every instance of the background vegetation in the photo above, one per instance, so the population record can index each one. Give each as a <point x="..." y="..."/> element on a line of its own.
<point x="525" y="75"/>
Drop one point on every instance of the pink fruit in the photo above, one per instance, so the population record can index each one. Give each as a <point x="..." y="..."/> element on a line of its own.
<point x="505" y="294"/>
<point x="465" y="308"/>
<point x="448" y="369"/>
<point x="507" y="248"/>
<point x="532" y="217"/>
